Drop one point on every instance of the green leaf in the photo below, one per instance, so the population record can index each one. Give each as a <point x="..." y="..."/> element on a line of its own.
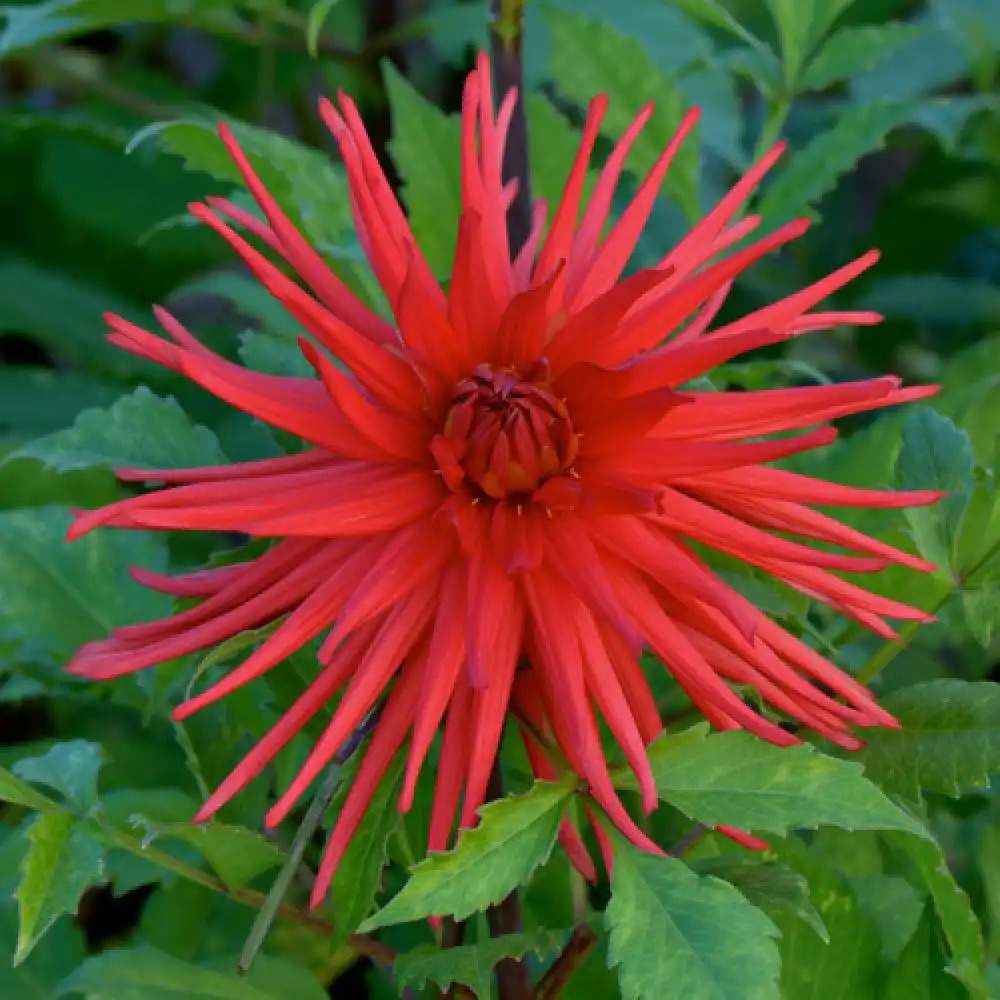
<point x="12" y="789"/>
<point x="60" y="596"/>
<point x="471" y="964"/>
<point x="958" y="919"/>
<point x="801" y="25"/>
<point x="141" y="429"/>
<point x="279" y="977"/>
<point x="699" y="935"/>
<point x="62" y="862"/>
<point x="36" y="400"/>
<point x="588" y="58"/>
<point x="42" y="23"/>
<point x="303" y="181"/>
<point x="815" y="170"/>
<point x="949" y="741"/>
<point x="58" y="953"/>
<point x="514" y="837"/>
<point x="425" y="148"/>
<point x="236" y="854"/>
<point x="918" y="973"/>
<point x="893" y="905"/>
<point x="551" y="160"/>
<point x="735" y="779"/>
<point x="359" y="873"/>
<point x="855" y="49"/>
<point x="982" y="613"/>
<point x="769" y="885"/>
<point x="68" y="768"/>
<point x="272" y="355"/>
<point x="318" y="13"/>
<point x="935" y="455"/>
<point x="148" y="974"/>
<point x="937" y="299"/>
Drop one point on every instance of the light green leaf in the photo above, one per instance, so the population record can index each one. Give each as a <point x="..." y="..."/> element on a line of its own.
<point x="471" y="964"/>
<point x="141" y="429"/>
<point x="236" y="854"/>
<point x="68" y="768"/>
<point x="60" y="596"/>
<point x="515" y="836"/>
<point x="62" y="862"/>
<point x="769" y="885"/>
<point x="949" y="741"/>
<point x="41" y="23"/>
<point x="801" y="25"/>
<point x="936" y="455"/>
<point x="552" y="158"/>
<point x="958" y="919"/>
<point x="12" y="789"/>
<point x="589" y="58"/>
<point x="148" y="974"/>
<point x="735" y="779"/>
<point x="359" y="873"/>
<point x="813" y="171"/>
<point x="699" y="935"/>
<point x="425" y="148"/>
<point x="318" y="13"/>
<point x="855" y="49"/>
<point x="280" y="978"/>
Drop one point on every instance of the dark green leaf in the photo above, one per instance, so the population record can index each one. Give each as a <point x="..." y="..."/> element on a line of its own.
<point x="515" y="836"/>
<point x="982" y="613"/>
<point x="918" y="973"/>
<point x="264" y="353"/>
<point x="853" y="49"/>
<point x="359" y="873"/>
<point x="949" y="741"/>
<point x="472" y="964"/>
<point x="588" y="58"/>
<point x="60" y="596"/>
<point x="934" y="298"/>
<point x="813" y="171"/>
<point x="68" y="768"/>
<point x="769" y="885"/>
<point x="58" y="953"/>
<point x="699" y="935"/>
<point x="935" y="456"/>
<point x="62" y="862"/>
<point x="893" y="905"/>
<point x="142" y="429"/>
<point x="148" y="974"/>
<point x="425" y="149"/>
<point x="36" y="400"/>
<point x="735" y="779"/>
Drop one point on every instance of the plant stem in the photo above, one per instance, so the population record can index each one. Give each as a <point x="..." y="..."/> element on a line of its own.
<point x="506" y="24"/>
<point x="513" y="979"/>
<point x="579" y="946"/>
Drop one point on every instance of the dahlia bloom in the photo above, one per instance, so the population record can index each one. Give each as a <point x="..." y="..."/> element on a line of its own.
<point x="503" y="481"/>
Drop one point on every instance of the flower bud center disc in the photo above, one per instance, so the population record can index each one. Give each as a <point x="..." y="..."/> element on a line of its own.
<point x="506" y="433"/>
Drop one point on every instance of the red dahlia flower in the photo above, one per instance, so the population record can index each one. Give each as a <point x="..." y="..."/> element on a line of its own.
<point x="496" y="508"/>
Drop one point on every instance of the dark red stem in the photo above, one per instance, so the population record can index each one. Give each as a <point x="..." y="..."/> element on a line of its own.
<point x="580" y="943"/>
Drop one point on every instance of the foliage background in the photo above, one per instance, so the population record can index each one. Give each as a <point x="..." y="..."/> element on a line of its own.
<point x="106" y="112"/>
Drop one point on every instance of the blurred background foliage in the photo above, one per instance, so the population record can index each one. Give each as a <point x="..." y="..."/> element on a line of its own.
<point x="107" y="108"/>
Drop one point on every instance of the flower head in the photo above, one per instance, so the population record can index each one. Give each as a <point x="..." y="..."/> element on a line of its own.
<point x="497" y="508"/>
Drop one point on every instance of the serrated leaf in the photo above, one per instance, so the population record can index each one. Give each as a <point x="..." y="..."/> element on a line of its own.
<point x="855" y="49"/>
<point x="359" y="873"/>
<point x="70" y="769"/>
<point x="59" y="596"/>
<point x="425" y="148"/>
<point x="514" y="837"/>
<point x="801" y="24"/>
<point x="148" y="974"/>
<point x="588" y="58"/>
<point x="62" y="862"/>
<point x="552" y="158"/>
<point x="472" y="964"/>
<point x="141" y="429"/>
<point x="12" y="789"/>
<point x="27" y="26"/>
<point x="949" y="741"/>
<point x="814" y="171"/>
<point x="735" y="779"/>
<point x="935" y="455"/>
<point x="769" y="885"/>
<point x="958" y="920"/>
<point x="699" y="935"/>
<point x="236" y="854"/>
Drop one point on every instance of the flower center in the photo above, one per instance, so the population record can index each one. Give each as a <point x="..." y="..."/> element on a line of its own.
<point x="506" y="433"/>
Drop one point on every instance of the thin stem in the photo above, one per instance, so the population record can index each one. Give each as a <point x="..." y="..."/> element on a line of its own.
<point x="506" y="30"/>
<point x="581" y="943"/>
<point x="513" y="978"/>
<point x="361" y="943"/>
